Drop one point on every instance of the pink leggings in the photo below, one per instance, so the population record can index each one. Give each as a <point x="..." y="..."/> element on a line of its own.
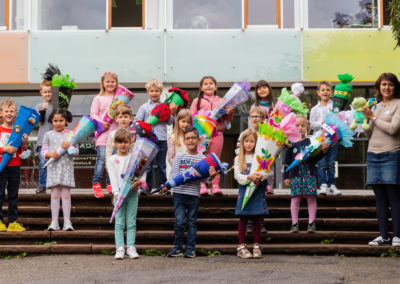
<point x="63" y="193"/>
<point x="256" y="228"/>
<point x="216" y="145"/>
<point x="295" y="206"/>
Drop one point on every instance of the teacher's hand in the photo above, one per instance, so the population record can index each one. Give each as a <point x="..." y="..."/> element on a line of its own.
<point x="367" y="112"/>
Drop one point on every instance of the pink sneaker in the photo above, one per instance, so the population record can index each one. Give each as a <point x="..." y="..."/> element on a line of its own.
<point x="98" y="192"/>
<point x="203" y="189"/>
<point x="270" y="190"/>
<point x="216" y="190"/>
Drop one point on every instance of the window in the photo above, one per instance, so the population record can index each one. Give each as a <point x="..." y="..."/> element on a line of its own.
<point x="264" y="12"/>
<point x="342" y="14"/>
<point x="18" y="15"/>
<point x="126" y="13"/>
<point x="288" y="14"/>
<point x="69" y="15"/>
<point x="3" y="11"/>
<point x="207" y="14"/>
<point x="386" y="12"/>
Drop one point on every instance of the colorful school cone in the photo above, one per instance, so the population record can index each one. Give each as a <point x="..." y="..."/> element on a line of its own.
<point x="207" y="128"/>
<point x="26" y="120"/>
<point x="142" y="155"/>
<point x="342" y="93"/>
<point x="143" y="129"/>
<point x="270" y="142"/>
<point x="122" y="96"/>
<point x="236" y="95"/>
<point x="286" y="104"/>
<point x="85" y="127"/>
<point x="162" y="112"/>
<point x="199" y="171"/>
<point x="334" y="130"/>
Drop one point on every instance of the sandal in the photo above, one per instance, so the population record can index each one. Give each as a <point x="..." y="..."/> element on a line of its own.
<point x="243" y="252"/>
<point x="257" y="251"/>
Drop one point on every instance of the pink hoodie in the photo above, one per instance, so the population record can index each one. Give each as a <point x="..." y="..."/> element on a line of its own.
<point x="99" y="108"/>
<point x="207" y="104"/>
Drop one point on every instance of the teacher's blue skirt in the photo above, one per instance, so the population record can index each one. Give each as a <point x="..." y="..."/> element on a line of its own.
<point x="383" y="168"/>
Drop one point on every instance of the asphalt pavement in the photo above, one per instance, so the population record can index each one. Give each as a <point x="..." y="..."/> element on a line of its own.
<point x="220" y="269"/>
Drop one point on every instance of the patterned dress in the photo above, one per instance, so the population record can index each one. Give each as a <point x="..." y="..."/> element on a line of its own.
<point x="302" y="178"/>
<point x="61" y="171"/>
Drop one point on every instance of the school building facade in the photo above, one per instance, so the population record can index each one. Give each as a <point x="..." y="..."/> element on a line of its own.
<point x="180" y="41"/>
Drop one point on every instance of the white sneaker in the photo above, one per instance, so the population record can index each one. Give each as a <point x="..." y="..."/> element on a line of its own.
<point x="333" y="189"/>
<point x="120" y="253"/>
<point x="53" y="226"/>
<point x="396" y="242"/>
<point x="68" y="226"/>
<point x="324" y="189"/>
<point x="132" y="253"/>
<point x="379" y="241"/>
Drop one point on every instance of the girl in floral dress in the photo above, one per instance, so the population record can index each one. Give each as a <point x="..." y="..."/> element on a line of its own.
<point x="302" y="179"/>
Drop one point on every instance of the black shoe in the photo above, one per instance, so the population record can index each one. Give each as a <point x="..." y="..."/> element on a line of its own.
<point x="294" y="228"/>
<point x="311" y="228"/>
<point x="41" y="189"/>
<point x="190" y="253"/>
<point x="175" y="253"/>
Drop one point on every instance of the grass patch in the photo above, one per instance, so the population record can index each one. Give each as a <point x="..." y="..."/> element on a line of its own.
<point x="392" y="252"/>
<point x="45" y="243"/>
<point x="209" y="253"/>
<point x="153" y="252"/>
<point x="327" y="241"/>
<point x="268" y="239"/>
<point x="107" y="252"/>
<point x="7" y="255"/>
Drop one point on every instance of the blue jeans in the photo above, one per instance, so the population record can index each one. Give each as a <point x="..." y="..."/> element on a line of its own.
<point x="42" y="172"/>
<point x="185" y="205"/>
<point x="326" y="166"/>
<point x="161" y="166"/>
<point x="100" y="166"/>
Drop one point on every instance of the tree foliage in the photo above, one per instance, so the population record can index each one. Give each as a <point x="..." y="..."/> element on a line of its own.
<point x="395" y="20"/>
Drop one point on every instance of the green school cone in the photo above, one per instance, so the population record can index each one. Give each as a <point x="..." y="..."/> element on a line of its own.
<point x="248" y="194"/>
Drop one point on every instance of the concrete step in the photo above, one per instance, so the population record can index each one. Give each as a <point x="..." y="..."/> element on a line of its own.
<point x="218" y="212"/>
<point x="218" y="224"/>
<point x="224" y="201"/>
<point x="203" y="237"/>
<point x="314" y="249"/>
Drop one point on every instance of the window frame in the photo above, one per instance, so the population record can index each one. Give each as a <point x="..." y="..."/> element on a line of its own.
<point x="109" y="17"/>
<point x="279" y="17"/>
<point x="304" y="18"/>
<point x="6" y="27"/>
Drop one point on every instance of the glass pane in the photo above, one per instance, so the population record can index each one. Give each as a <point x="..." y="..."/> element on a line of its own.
<point x="2" y="12"/>
<point x="288" y="14"/>
<point x="126" y="13"/>
<point x="18" y="15"/>
<point x="386" y="12"/>
<point x="207" y="14"/>
<point x="262" y="12"/>
<point x="72" y="14"/>
<point x="342" y="13"/>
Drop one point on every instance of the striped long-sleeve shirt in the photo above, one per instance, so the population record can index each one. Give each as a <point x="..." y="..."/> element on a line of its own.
<point x="182" y="162"/>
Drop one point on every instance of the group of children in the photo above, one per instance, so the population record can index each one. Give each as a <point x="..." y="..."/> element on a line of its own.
<point x="180" y="150"/>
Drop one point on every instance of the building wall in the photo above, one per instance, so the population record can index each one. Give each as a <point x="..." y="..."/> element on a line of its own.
<point x="186" y="56"/>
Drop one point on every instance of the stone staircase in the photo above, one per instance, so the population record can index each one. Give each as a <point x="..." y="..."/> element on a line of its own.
<point x="345" y="224"/>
